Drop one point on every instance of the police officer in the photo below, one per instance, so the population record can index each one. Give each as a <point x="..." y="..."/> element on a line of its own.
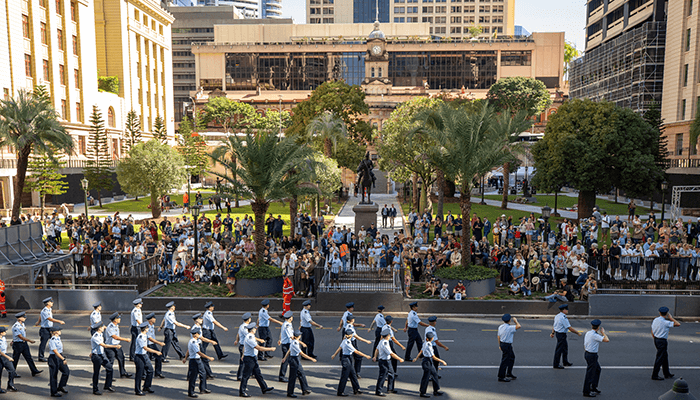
<point x="590" y="343"/>
<point x="240" y="340"/>
<point x="429" y="371"/>
<point x="57" y="362"/>
<point x="284" y="341"/>
<point x="208" y="322"/>
<point x="196" y="367"/>
<point x="383" y="354"/>
<point x="197" y="318"/>
<point x="392" y="340"/>
<point x="378" y="323"/>
<point x="264" y="329"/>
<point x="307" y="333"/>
<point x="143" y="363"/>
<point x="95" y="316"/>
<point x="169" y="323"/>
<point x="659" y="328"/>
<point x="99" y="359"/>
<point x="357" y="358"/>
<point x="505" y="344"/>
<point x="347" y="351"/>
<point x="46" y="321"/>
<point x="432" y="321"/>
<point x="296" y="371"/>
<point x="112" y="338"/>
<point x="153" y="344"/>
<point x="6" y="362"/>
<point x="559" y="329"/>
<point x="250" y="363"/>
<point x="411" y="326"/>
<point x="136" y="320"/>
<point x="20" y="346"/>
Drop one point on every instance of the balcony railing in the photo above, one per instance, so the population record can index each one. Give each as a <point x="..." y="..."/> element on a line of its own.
<point x="684" y="163"/>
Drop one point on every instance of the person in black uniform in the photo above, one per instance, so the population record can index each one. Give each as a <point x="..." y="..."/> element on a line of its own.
<point x="153" y="344"/>
<point x="560" y="328"/>
<point x="250" y="363"/>
<point x="20" y="346"/>
<point x="383" y="354"/>
<point x="591" y="343"/>
<point x="195" y="367"/>
<point x="429" y="371"/>
<point x="6" y="362"/>
<point x="143" y="363"/>
<point x="347" y="351"/>
<point x="57" y="362"/>
<point x="296" y="371"/>
<point x="412" y="323"/>
<point x="392" y="340"/>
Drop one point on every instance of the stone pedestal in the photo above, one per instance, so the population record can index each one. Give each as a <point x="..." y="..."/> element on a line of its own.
<point x="365" y="214"/>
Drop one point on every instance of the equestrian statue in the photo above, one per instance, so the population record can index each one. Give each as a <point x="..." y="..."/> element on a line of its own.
<point x="366" y="178"/>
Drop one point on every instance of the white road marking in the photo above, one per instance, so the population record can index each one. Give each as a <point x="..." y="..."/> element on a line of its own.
<point x="173" y="364"/>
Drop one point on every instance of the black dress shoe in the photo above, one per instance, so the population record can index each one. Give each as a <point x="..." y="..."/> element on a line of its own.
<point x="380" y="394"/>
<point x="193" y="395"/>
<point x="589" y="395"/>
<point x="42" y="359"/>
<point x="126" y="375"/>
<point x="62" y="390"/>
<point x="37" y="372"/>
<point x="148" y="390"/>
<point x="244" y="395"/>
<point x="205" y="391"/>
<point x="357" y="392"/>
<point x="3" y="391"/>
<point x="558" y="367"/>
<point x="292" y="396"/>
<point x="306" y="392"/>
<point x="568" y="364"/>
<point x="358" y="376"/>
<point x="669" y="376"/>
<point x="14" y="389"/>
<point x="210" y="377"/>
<point x="393" y="391"/>
<point x="268" y="390"/>
<point x="97" y="393"/>
<point x="343" y="394"/>
<point x="17" y="376"/>
<point x="503" y="380"/>
<point x="166" y="361"/>
<point x="56" y="395"/>
<point x="269" y="356"/>
<point x="109" y="389"/>
<point x="512" y="377"/>
<point x="596" y="391"/>
<point x="223" y="356"/>
<point x="438" y="393"/>
<point x="283" y="380"/>
<point x="424" y="395"/>
<point x="161" y="376"/>
<point x="657" y="378"/>
<point x="140" y="393"/>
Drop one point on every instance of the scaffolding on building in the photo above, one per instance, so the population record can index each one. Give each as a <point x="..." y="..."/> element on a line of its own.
<point x="627" y="70"/>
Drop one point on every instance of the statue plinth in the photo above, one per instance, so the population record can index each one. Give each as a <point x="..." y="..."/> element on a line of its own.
<point x="365" y="214"/>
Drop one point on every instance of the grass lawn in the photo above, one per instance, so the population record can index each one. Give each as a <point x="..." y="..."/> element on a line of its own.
<point x="501" y="293"/>
<point x="568" y="202"/>
<point x="141" y="205"/>
<point x="190" y="290"/>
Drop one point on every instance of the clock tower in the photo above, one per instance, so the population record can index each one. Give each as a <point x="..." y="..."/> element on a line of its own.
<point x="377" y="59"/>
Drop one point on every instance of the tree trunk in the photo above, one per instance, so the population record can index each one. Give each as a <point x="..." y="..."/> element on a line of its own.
<point x="616" y="191"/>
<point x="327" y="148"/>
<point x="414" y="193"/>
<point x="233" y="177"/>
<point x="155" y="205"/>
<point x="441" y="192"/>
<point x="293" y="210"/>
<point x="556" y="200"/>
<point x="586" y="201"/>
<point x="41" y="205"/>
<point x="99" y="197"/>
<point x="465" y="207"/>
<point x="259" y="209"/>
<point x="506" y="185"/>
<point x="22" y="163"/>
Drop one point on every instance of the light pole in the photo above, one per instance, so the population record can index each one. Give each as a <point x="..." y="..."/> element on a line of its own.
<point x="195" y="214"/>
<point x="194" y="115"/>
<point x="188" y="169"/>
<point x="483" y="203"/>
<point x="318" y="198"/>
<point x="280" y="115"/>
<point x="420" y="197"/>
<point x="546" y="213"/>
<point x="664" y="188"/>
<point x="85" y="183"/>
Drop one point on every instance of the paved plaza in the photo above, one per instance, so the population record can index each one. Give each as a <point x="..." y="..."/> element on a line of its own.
<point x="470" y="374"/>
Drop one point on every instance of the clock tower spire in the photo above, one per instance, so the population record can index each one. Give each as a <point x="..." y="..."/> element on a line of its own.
<point x="377" y="58"/>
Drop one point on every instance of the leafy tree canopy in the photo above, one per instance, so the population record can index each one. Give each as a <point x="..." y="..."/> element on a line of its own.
<point x="520" y="93"/>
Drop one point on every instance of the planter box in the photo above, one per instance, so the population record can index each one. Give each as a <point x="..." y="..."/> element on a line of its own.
<point x="258" y="287"/>
<point x="480" y="288"/>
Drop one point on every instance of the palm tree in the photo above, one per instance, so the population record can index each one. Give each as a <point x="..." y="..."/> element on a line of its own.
<point x="329" y="128"/>
<point x="467" y="146"/>
<point x="264" y="170"/>
<point x="28" y="123"/>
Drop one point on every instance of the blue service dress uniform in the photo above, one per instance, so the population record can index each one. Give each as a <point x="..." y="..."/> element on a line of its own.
<point x="242" y="333"/>
<point x="21" y="348"/>
<point x="296" y="371"/>
<point x="660" y="327"/>
<point x="171" y="336"/>
<point x="347" y="351"/>
<point x="386" y="370"/>
<point x="6" y="364"/>
<point x="250" y="366"/>
<point x="560" y="327"/>
<point x="136" y="320"/>
<point x="264" y="330"/>
<point x="429" y="371"/>
<point x="196" y="368"/>
<point x="45" y="331"/>
<point x="285" y="339"/>
<point x="379" y="321"/>
<point x="591" y="342"/>
<point x="413" y="335"/>
<point x="506" y="332"/>
<point x="55" y="365"/>
<point x="99" y="360"/>
<point x="151" y="334"/>
<point x="307" y="333"/>
<point x="208" y="332"/>
<point x="142" y="361"/>
<point x="114" y="354"/>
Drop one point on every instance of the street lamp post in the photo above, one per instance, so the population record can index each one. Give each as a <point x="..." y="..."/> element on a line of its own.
<point x="483" y="203"/>
<point x="195" y="214"/>
<point x="664" y="188"/>
<point x="420" y="197"/>
<point x="546" y="213"/>
<point x="85" y="184"/>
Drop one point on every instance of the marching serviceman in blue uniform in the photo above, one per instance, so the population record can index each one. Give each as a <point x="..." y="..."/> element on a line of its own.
<point x="284" y="341"/>
<point x="347" y="351"/>
<point x="208" y="323"/>
<point x="307" y="332"/>
<point x="383" y="354"/>
<point x="591" y="342"/>
<point x="20" y="344"/>
<point x="357" y="358"/>
<point x="6" y="362"/>
<point x="153" y="344"/>
<point x="412" y="323"/>
<point x="659" y="329"/>
<point x="197" y="318"/>
<point x="95" y="316"/>
<point x="143" y="363"/>
<point x="505" y="343"/>
<point x="99" y="359"/>
<point x="240" y="341"/>
<point x="112" y="337"/>
<point x="429" y="371"/>
<point x="196" y="367"/>
<point x="296" y="371"/>
<point x="250" y="363"/>
<point x="46" y="321"/>
<point x="264" y="329"/>
<point x="136" y="320"/>
<point x="378" y="322"/>
<point x="432" y="321"/>
<point x="169" y="323"/>
<point x="392" y="340"/>
<point x="560" y="328"/>
<point x="57" y="362"/>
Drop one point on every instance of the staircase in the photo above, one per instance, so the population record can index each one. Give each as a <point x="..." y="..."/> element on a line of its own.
<point x="380" y="183"/>
<point x="361" y="280"/>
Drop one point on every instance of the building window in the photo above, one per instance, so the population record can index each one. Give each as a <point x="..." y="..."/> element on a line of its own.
<point x="6" y="93"/>
<point x="687" y="40"/>
<point x="138" y="69"/>
<point x="47" y="75"/>
<point x="455" y="20"/>
<point x="62" y="74"/>
<point x="372" y="72"/>
<point x="25" y="26"/>
<point x="516" y="58"/>
<point x="28" y="65"/>
<point x="64" y="109"/>
<point x="455" y="29"/>
<point x="42" y="3"/>
<point x="115" y="149"/>
<point x="42" y="26"/>
<point x="73" y="11"/>
<point x="59" y="38"/>
<point x="679" y="144"/>
<point x="75" y="45"/>
<point x="399" y="10"/>
<point x="399" y="19"/>
<point x="685" y="75"/>
<point x="683" y="103"/>
<point x="380" y="72"/>
<point x="78" y="112"/>
<point x="690" y="7"/>
<point x="136" y="15"/>
<point x="76" y="76"/>
<point x="82" y="145"/>
<point x="456" y="9"/>
<point x="59" y="7"/>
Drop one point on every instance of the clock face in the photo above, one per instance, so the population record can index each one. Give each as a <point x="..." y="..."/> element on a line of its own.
<point x="376" y="50"/>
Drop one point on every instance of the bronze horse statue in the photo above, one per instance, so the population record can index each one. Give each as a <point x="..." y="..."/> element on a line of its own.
<point x="365" y="178"/>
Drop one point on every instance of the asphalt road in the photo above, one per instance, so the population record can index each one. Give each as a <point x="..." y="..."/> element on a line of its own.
<point x="472" y="360"/>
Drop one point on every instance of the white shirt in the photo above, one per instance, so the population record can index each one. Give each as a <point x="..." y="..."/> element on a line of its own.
<point x="561" y="323"/>
<point x="263" y="318"/>
<point x="432" y="329"/>
<point x="45" y="315"/>
<point x="505" y="332"/>
<point x="428" y="350"/>
<point x="660" y="327"/>
<point x="136" y="317"/>
<point x="384" y="350"/>
<point x="413" y="319"/>
<point x="591" y="341"/>
<point x="379" y="320"/>
<point x="305" y="318"/>
<point x="249" y="346"/>
<point x="346" y="347"/>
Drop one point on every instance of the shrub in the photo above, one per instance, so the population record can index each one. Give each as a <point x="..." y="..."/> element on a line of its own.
<point x="108" y="84"/>
<point x="259" y="272"/>
<point x="471" y="273"/>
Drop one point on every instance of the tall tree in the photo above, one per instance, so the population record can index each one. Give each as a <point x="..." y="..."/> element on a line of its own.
<point x="29" y="123"/>
<point x="44" y="177"/>
<point x="595" y="146"/>
<point x="271" y="120"/>
<point x="329" y="129"/>
<point x="466" y="146"/>
<point x="264" y="163"/>
<point x="98" y="169"/>
<point x="513" y="95"/>
<point x="152" y="168"/>
<point x="160" y="132"/>
<point x="132" y="131"/>
<point x="570" y="54"/>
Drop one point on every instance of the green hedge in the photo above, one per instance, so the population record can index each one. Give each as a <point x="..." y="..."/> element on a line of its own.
<point x="259" y="272"/>
<point x="471" y="273"/>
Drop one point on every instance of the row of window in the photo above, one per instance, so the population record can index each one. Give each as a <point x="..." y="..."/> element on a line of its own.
<point x="156" y="27"/>
<point x="451" y="1"/>
<point x="59" y="8"/>
<point x="46" y="68"/>
<point x="193" y="30"/>
<point x="324" y="20"/>
<point x="44" y="35"/>
<point x="317" y="11"/>
<point x="457" y="9"/>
